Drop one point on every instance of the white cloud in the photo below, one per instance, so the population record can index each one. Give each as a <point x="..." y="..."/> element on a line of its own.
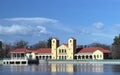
<point x="42" y="29"/>
<point x="22" y="30"/>
<point x="34" y="19"/>
<point x="34" y="26"/>
<point x="14" y="29"/>
<point x="98" y="25"/>
<point x="27" y="26"/>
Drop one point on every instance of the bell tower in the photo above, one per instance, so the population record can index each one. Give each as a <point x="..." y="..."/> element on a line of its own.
<point x="55" y="44"/>
<point x="71" y="48"/>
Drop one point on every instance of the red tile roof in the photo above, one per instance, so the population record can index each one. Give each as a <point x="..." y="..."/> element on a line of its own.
<point x="21" y="50"/>
<point x="43" y="50"/>
<point x="65" y="45"/>
<point x="92" y="49"/>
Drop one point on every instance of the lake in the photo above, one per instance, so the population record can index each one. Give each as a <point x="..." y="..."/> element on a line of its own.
<point x="61" y="69"/>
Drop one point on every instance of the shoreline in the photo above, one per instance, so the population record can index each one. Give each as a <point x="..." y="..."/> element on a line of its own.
<point x="85" y="61"/>
<point x="76" y="61"/>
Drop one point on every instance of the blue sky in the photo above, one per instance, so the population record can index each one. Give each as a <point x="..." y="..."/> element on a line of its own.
<point x="86" y="20"/>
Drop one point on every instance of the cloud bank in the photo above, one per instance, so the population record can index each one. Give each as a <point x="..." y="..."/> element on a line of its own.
<point x="35" y="26"/>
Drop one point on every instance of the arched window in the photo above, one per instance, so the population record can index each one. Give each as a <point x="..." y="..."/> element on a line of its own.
<point x="53" y="41"/>
<point x="65" y="50"/>
<point x="97" y="56"/>
<point x="70" y="41"/>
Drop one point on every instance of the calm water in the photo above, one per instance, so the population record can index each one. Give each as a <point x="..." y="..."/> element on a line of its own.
<point x="61" y="69"/>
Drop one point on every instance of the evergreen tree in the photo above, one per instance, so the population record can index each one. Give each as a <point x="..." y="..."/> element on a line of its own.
<point x="116" y="48"/>
<point x="1" y="51"/>
<point x="49" y="42"/>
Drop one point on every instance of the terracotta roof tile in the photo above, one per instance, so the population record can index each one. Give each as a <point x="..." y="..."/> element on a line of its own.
<point x="21" y="50"/>
<point x="92" y="49"/>
<point x="65" y="45"/>
<point x="43" y="50"/>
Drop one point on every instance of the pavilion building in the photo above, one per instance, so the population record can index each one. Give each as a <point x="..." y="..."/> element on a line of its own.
<point x="61" y="52"/>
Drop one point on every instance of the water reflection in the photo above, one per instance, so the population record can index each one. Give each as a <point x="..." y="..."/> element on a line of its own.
<point x="115" y="68"/>
<point x="70" y="68"/>
<point x="89" y="68"/>
<point x="58" y="68"/>
<point x="62" y="67"/>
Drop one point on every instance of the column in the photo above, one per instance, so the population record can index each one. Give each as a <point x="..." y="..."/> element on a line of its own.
<point x="20" y="55"/>
<point x="41" y="57"/>
<point x="16" y="55"/>
<point x="44" y="57"/>
<point x="77" y="57"/>
<point x="93" y="57"/>
<point x="25" y="56"/>
<point x="48" y="57"/>
<point x="11" y="55"/>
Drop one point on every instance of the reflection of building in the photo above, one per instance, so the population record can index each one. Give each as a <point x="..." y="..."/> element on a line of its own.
<point x="89" y="68"/>
<point x="62" y="68"/>
<point x="62" y="52"/>
<point x="59" y="68"/>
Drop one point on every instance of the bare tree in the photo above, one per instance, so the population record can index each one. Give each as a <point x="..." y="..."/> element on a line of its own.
<point x="7" y="47"/>
<point x="104" y="46"/>
<point x="20" y="44"/>
<point x="40" y="44"/>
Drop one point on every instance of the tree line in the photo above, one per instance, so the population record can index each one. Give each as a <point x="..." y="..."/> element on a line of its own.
<point x="5" y="48"/>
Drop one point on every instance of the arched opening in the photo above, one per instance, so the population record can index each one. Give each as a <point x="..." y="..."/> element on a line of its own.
<point x="79" y="57"/>
<point x="46" y="57"/>
<point x="43" y="57"/>
<point x="90" y="56"/>
<point x="65" y="57"/>
<point x="50" y="57"/>
<point x="86" y="56"/>
<point x="75" y="57"/>
<point x="83" y="57"/>
<point x="40" y="57"/>
<point x="37" y="57"/>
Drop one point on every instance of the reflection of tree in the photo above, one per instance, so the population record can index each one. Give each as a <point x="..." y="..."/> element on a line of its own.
<point x="115" y="68"/>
